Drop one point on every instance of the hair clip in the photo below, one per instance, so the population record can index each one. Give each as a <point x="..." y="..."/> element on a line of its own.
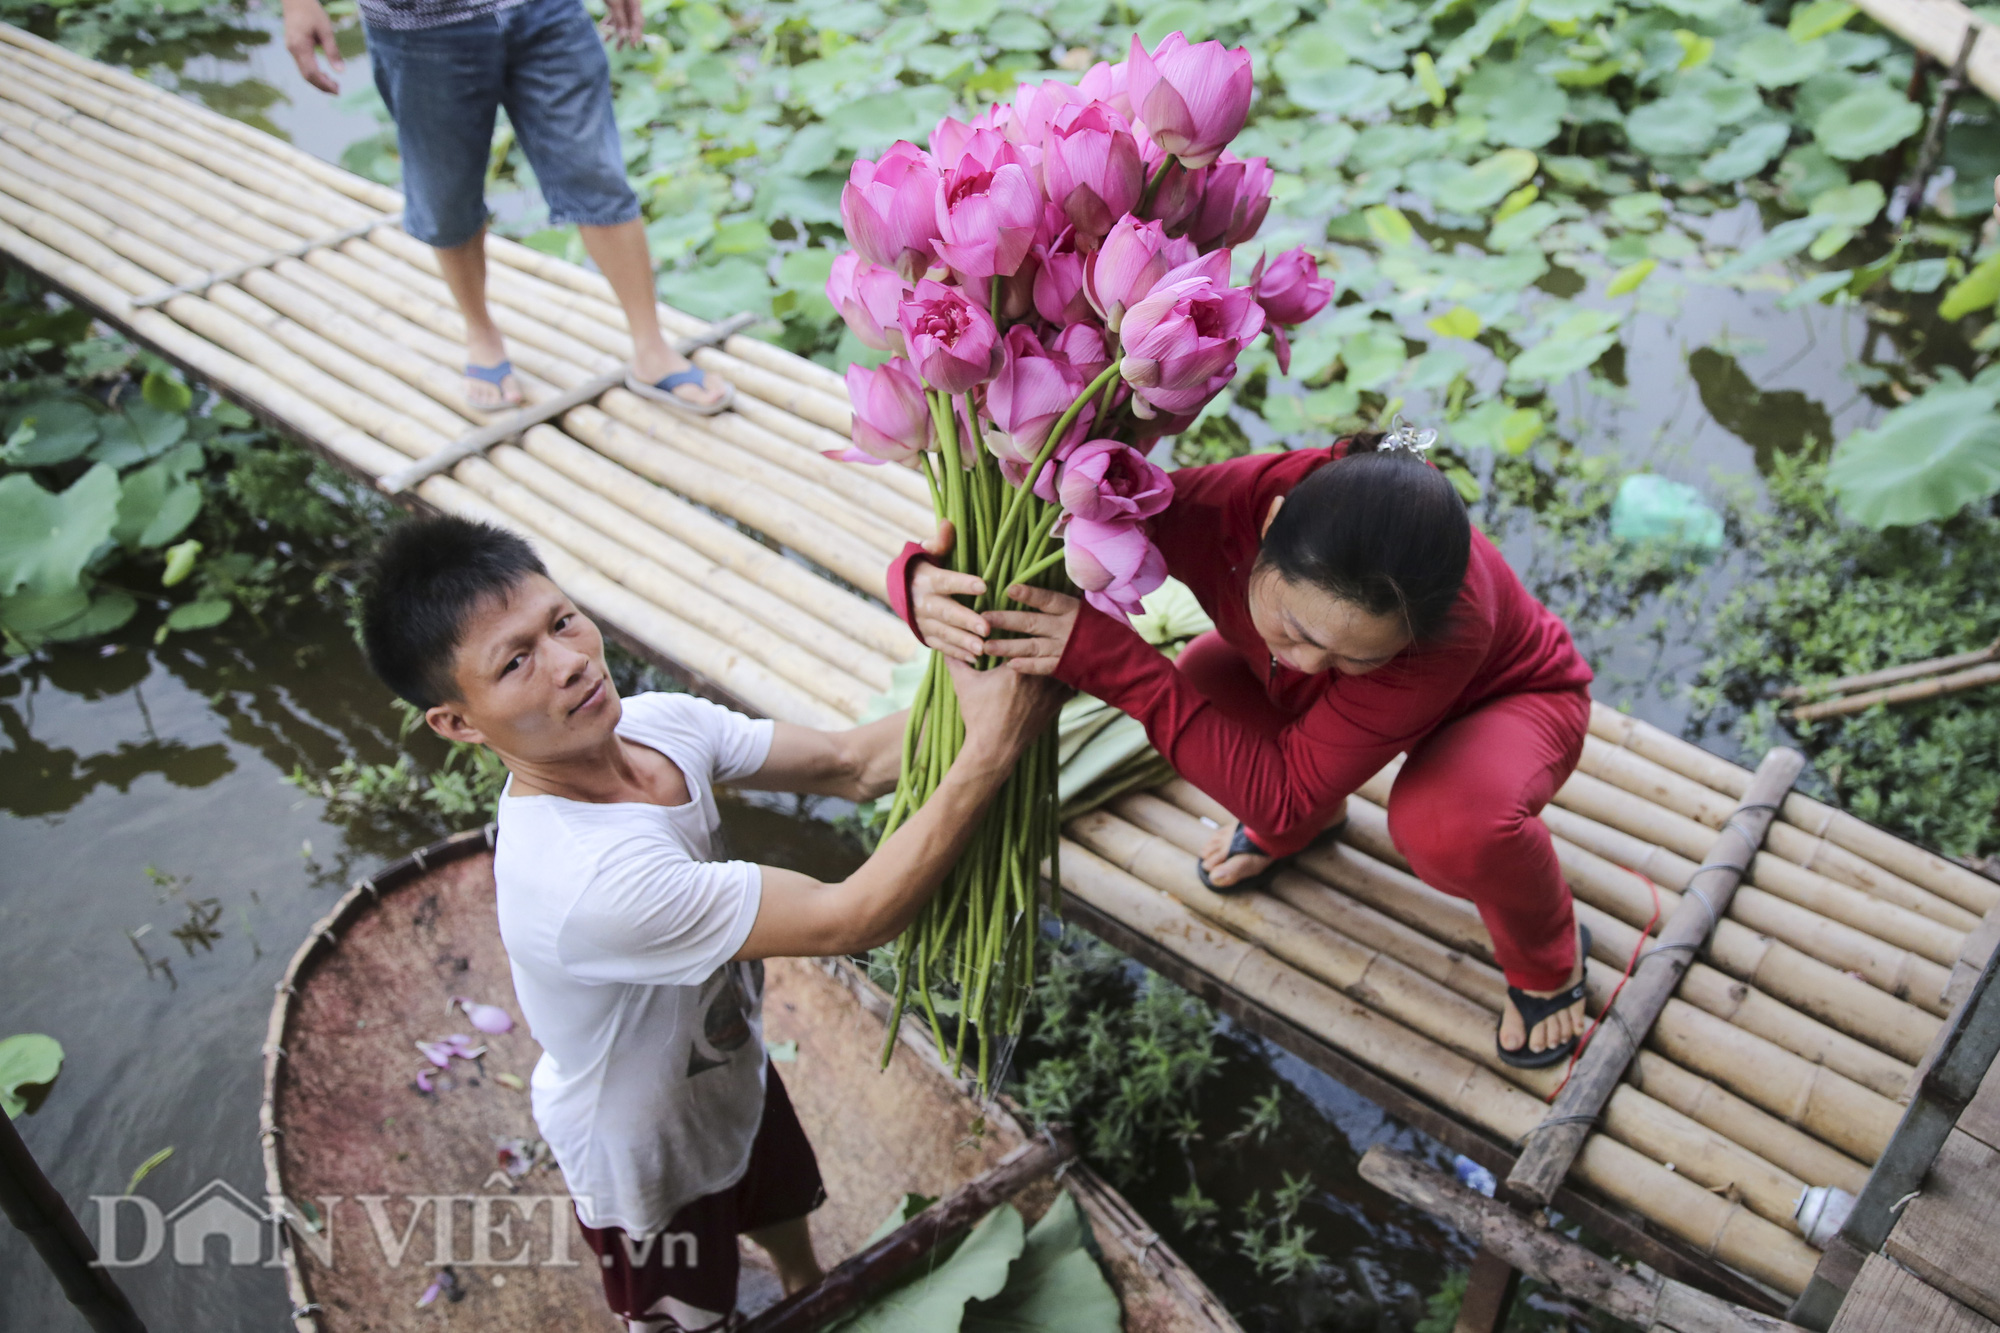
<point x="1405" y="438"/>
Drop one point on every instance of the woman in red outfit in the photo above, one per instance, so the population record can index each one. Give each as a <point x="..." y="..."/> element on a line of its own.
<point x="1358" y="616"/>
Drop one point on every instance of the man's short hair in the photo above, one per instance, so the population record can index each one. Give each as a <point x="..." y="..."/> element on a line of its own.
<point x="422" y="584"/>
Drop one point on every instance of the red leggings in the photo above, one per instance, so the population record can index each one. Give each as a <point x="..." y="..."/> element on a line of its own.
<point x="1465" y="808"/>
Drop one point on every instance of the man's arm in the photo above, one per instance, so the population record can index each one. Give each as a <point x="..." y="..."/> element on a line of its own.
<point x="799" y="917"/>
<point x="308" y="31"/>
<point x="858" y="764"/>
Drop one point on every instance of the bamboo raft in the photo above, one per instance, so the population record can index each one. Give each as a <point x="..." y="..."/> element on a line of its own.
<point x="343" y="1121"/>
<point x="732" y="552"/>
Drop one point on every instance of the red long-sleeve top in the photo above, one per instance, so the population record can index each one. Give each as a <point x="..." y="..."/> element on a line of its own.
<point x="1285" y="785"/>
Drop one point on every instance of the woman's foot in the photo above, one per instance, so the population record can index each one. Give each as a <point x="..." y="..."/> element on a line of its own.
<point x="490" y="385"/>
<point x="650" y="365"/>
<point x="1558" y="1027"/>
<point x="1225" y="870"/>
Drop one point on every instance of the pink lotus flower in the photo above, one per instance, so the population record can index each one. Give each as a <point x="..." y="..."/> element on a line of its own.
<point x="889" y="208"/>
<point x="1059" y="296"/>
<point x="1115" y="564"/>
<point x="949" y="139"/>
<point x="1135" y="256"/>
<point x="952" y="341"/>
<point x="1234" y="199"/>
<point x="1291" y="291"/>
<point x="1192" y="99"/>
<point x="489" y="1018"/>
<point x="1109" y="84"/>
<point x="987" y="209"/>
<point x="892" y="418"/>
<point x="1091" y="167"/>
<point x="866" y="295"/>
<point x="1181" y="341"/>
<point x="1105" y="481"/>
<point x="1082" y="345"/>
<point x="1030" y="392"/>
<point x="1178" y="196"/>
<point x="1035" y="107"/>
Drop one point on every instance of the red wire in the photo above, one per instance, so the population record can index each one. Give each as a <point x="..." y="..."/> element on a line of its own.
<point x="1630" y="965"/>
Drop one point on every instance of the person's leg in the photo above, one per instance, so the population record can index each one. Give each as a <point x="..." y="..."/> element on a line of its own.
<point x="442" y="86"/>
<point x="791" y="1248"/>
<point x="1230" y="682"/>
<point x="559" y="99"/>
<point x="780" y="1188"/>
<point x="1465" y="811"/>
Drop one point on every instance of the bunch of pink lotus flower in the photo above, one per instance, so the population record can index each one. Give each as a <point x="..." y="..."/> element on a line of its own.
<point x="1065" y="260"/>
<point x="1054" y="281"/>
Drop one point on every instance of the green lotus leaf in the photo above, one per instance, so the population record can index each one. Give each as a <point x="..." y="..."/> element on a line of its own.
<point x="1975" y="291"/>
<point x="46" y="540"/>
<point x="1854" y="205"/>
<point x="33" y="615"/>
<point x="1485" y="183"/>
<point x="1925" y="460"/>
<point x="139" y="432"/>
<point x="963" y="15"/>
<point x="1054" y="1287"/>
<point x="1373" y="356"/>
<point x="1021" y="32"/>
<point x="935" y="1298"/>
<point x="1819" y="287"/>
<point x="1748" y="153"/>
<point x="1673" y="126"/>
<point x="1781" y="242"/>
<point x="1523" y="227"/>
<point x="27" y="1060"/>
<point x="1182" y="16"/>
<point x="1818" y="18"/>
<point x="204" y="614"/>
<point x="107" y="611"/>
<point x="50" y="431"/>
<point x="1868" y="121"/>
<point x="158" y="501"/>
<point x="1806" y="173"/>
<point x="1770" y="58"/>
<point x="1309" y="55"/>
<point x="1919" y="275"/>
<point x="1555" y="358"/>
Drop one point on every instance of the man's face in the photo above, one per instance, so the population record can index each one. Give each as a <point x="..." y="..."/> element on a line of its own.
<point x="530" y="677"/>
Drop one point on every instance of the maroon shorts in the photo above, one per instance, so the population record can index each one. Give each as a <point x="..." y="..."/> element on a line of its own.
<point x="694" y="1260"/>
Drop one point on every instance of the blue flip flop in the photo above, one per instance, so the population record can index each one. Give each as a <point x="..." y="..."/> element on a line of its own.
<point x="495" y="376"/>
<point x="662" y="392"/>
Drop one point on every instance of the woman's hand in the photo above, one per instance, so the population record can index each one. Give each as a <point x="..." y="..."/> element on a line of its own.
<point x="944" y="622"/>
<point x="1044" y="631"/>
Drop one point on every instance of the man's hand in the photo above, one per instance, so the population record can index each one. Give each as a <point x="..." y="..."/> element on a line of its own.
<point x="944" y="622"/>
<point x="308" y="31"/>
<point x="1004" y="711"/>
<point x="1045" y="630"/>
<point x="623" y="22"/>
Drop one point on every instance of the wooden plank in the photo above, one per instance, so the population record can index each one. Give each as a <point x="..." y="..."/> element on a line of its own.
<point x="1937" y="28"/>
<point x="1979" y="946"/>
<point x="1888" y="1298"/>
<point x="1946" y="1234"/>
<point x="1981" y="1116"/>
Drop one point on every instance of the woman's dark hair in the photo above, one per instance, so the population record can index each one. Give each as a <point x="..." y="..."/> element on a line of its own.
<point x="1383" y="530"/>
<point x="424" y="580"/>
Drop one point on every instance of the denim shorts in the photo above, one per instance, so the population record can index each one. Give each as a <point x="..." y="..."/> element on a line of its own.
<point x="544" y="62"/>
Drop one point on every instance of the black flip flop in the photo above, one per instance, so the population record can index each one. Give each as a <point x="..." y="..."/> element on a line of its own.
<point x="1534" y="1008"/>
<point x="1242" y="844"/>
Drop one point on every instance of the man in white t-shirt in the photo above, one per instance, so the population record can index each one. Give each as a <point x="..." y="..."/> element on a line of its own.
<point x="634" y="949"/>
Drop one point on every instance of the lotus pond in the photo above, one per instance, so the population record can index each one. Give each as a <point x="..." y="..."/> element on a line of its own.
<point x="1586" y="240"/>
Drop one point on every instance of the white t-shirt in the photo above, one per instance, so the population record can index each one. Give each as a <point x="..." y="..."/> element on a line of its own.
<point x="619" y="925"/>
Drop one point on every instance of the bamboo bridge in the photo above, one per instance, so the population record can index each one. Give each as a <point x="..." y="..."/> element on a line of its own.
<point x="731" y="551"/>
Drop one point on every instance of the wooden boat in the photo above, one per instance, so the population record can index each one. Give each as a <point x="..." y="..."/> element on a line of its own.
<point x="365" y="1163"/>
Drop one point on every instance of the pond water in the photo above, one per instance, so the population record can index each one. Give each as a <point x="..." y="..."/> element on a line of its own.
<point x="156" y="871"/>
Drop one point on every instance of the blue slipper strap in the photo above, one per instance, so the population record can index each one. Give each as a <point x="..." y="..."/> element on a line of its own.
<point x="692" y="375"/>
<point x="494" y="375"/>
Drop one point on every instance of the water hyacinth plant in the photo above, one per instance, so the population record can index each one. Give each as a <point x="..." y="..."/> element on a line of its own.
<point x="1054" y="280"/>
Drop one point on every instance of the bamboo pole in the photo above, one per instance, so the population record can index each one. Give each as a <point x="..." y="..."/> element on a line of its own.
<point x="663" y="422"/>
<point x="1600" y="1068"/>
<point x="1388" y="985"/>
<point x="1911" y="692"/>
<point x="1464" y="971"/>
<point x="1870" y="853"/>
<point x="1553" y="1259"/>
<point x="1874" y="1017"/>
<point x="231" y="316"/>
<point x="1895" y="675"/>
<point x="1884" y="965"/>
<point x="1718" y="1227"/>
